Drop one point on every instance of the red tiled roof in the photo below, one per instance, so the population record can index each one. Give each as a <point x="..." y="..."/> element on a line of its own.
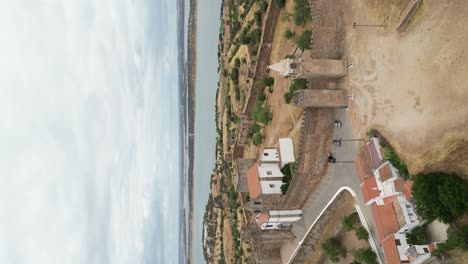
<point x="400" y="216"/>
<point x="385" y="172"/>
<point x="253" y="182"/>
<point x="399" y="184"/>
<point x="407" y="189"/>
<point x="369" y="189"/>
<point x="364" y="163"/>
<point x="262" y="218"/>
<point x="376" y="161"/>
<point x="385" y="219"/>
<point x="390" y="250"/>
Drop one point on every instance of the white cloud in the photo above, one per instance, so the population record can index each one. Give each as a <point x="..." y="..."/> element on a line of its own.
<point x="89" y="132"/>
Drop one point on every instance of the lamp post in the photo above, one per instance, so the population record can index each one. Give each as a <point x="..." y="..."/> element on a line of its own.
<point x="355" y="25"/>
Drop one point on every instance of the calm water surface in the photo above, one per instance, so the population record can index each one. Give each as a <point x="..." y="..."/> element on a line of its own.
<point x="205" y="128"/>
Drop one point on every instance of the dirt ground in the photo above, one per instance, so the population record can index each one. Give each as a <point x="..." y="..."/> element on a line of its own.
<point x="412" y="86"/>
<point x="333" y="229"/>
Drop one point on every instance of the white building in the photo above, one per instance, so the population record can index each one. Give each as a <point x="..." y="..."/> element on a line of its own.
<point x="277" y="219"/>
<point x="397" y="250"/>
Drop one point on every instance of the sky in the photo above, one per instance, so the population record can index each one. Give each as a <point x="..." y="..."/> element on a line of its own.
<point x="89" y="131"/>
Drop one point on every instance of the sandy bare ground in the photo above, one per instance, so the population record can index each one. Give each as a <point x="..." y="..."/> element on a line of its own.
<point x="412" y="86"/>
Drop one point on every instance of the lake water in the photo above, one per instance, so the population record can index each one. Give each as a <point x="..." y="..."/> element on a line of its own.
<point x="208" y="22"/>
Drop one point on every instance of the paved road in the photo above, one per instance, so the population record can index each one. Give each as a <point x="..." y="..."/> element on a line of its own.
<point x="339" y="175"/>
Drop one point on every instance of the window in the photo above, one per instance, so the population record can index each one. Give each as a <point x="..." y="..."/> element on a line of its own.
<point x="405" y="261"/>
<point x="269" y="173"/>
<point x="397" y="241"/>
<point x="426" y="250"/>
<point x="269" y="225"/>
<point x="272" y="186"/>
<point x="256" y="202"/>
<point x="257" y="211"/>
<point x="265" y="154"/>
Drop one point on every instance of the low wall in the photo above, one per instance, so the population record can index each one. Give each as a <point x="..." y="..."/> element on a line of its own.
<point x="408" y="13"/>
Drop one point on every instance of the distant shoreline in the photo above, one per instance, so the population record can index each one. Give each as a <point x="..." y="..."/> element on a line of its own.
<point x="192" y="73"/>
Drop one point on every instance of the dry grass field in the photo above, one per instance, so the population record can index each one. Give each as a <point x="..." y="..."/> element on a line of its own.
<point x="412" y="86"/>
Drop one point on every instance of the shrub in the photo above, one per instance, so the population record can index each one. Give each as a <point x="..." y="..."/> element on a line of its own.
<point x="365" y="256"/>
<point x="235" y="75"/>
<point x="348" y="222"/>
<point x="284" y="188"/>
<point x="286" y="170"/>
<point x="418" y="236"/>
<point x="237" y="62"/>
<point x="297" y="84"/>
<point x="268" y="81"/>
<point x="333" y="249"/>
<point x="440" y="196"/>
<point x="301" y="12"/>
<point x="456" y="239"/>
<point x="243" y="60"/>
<point x="395" y="160"/>
<point x="257" y="139"/>
<point x="263" y="6"/>
<point x="280" y="3"/>
<point x="303" y="41"/>
<point x="288" y="34"/>
<point x="361" y="233"/>
<point x="258" y="18"/>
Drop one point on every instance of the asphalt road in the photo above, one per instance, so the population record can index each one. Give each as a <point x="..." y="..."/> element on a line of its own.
<point x="341" y="174"/>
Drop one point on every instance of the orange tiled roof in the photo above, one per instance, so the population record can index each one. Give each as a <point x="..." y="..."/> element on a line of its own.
<point x="364" y="163"/>
<point x="369" y="189"/>
<point x="253" y="182"/>
<point x="385" y="172"/>
<point x="407" y="189"/>
<point x="390" y="250"/>
<point x="399" y="184"/>
<point x="262" y="218"/>
<point x="385" y="219"/>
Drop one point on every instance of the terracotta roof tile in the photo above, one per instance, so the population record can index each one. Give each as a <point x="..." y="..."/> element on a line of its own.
<point x="390" y="250"/>
<point x="407" y="189"/>
<point x="375" y="154"/>
<point x="399" y="184"/>
<point x="369" y="189"/>
<point x="399" y="215"/>
<point x="253" y="182"/>
<point x="385" y="219"/>
<point x="385" y="172"/>
<point x="262" y="218"/>
<point x="363" y="163"/>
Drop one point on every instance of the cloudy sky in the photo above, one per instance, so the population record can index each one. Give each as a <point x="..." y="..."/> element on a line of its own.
<point x="89" y="137"/>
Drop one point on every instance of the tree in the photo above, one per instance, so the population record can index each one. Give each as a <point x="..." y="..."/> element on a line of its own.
<point x="418" y="236"/>
<point x="288" y="34"/>
<point x="348" y="222"/>
<point x="235" y="75"/>
<point x="365" y="256"/>
<point x="456" y="239"/>
<point x="280" y="3"/>
<point x="303" y="41"/>
<point x="301" y="12"/>
<point x="258" y="18"/>
<point x="268" y="81"/>
<point x="263" y="6"/>
<point x="361" y="233"/>
<point x="440" y="196"/>
<point x="237" y="62"/>
<point x="333" y="249"/>
<point x="257" y="139"/>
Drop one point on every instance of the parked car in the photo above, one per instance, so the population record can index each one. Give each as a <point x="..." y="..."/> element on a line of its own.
<point x="338" y="123"/>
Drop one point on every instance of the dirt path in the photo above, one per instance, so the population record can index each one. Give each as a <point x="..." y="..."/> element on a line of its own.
<point x="264" y="58"/>
<point x="412" y="86"/>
